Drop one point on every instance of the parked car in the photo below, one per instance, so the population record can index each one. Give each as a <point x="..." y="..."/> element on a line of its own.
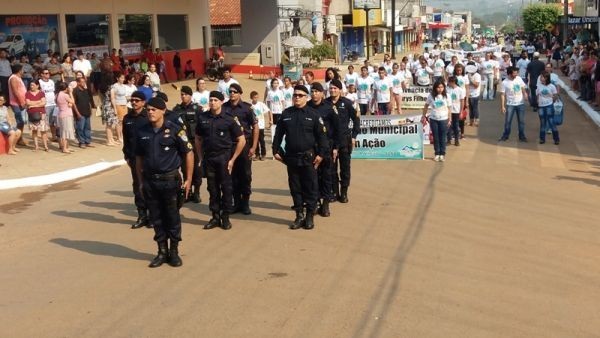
<point x="14" y="44"/>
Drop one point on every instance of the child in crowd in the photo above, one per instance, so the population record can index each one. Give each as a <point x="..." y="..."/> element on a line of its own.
<point x="10" y="131"/>
<point x="353" y="96"/>
<point x="261" y="111"/>
<point x="573" y="74"/>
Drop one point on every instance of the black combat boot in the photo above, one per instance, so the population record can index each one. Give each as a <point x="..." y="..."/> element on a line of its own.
<point x="174" y="259"/>
<point x="237" y="201"/>
<point x="299" y="221"/>
<point x="142" y="219"/>
<point x="225" y="222"/>
<point x="335" y="192"/>
<point x="214" y="222"/>
<point x="195" y="196"/>
<point x="245" y="205"/>
<point x="162" y="257"/>
<point x="309" y="222"/>
<point x="344" y="195"/>
<point x="324" y="211"/>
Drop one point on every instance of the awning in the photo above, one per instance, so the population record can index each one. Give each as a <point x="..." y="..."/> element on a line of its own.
<point x="439" y="25"/>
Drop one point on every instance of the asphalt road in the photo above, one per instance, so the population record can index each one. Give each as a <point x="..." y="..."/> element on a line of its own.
<point x="498" y="241"/>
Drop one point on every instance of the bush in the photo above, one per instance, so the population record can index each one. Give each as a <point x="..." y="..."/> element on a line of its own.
<point x="319" y="52"/>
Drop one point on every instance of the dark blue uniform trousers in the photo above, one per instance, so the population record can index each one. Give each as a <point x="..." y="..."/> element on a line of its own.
<point x="161" y="200"/>
<point x="219" y="183"/>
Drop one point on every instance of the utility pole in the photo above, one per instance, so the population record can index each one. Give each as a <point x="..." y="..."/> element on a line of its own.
<point x="566" y="22"/>
<point x="367" y="29"/>
<point x="393" y="29"/>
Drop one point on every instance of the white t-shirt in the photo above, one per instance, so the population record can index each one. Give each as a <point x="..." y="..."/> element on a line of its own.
<point x="382" y="88"/>
<point x="275" y="101"/>
<point x="522" y="65"/>
<point x="503" y="67"/>
<point x="553" y="80"/>
<point x="475" y="78"/>
<point x="397" y="80"/>
<point x="438" y="68"/>
<point x="223" y="87"/>
<point x="351" y="78"/>
<point x="513" y="90"/>
<point x="450" y="69"/>
<point x="155" y="80"/>
<point x="128" y="91"/>
<point x="201" y="98"/>
<point x="487" y="67"/>
<point x="462" y="81"/>
<point x="456" y="96"/>
<point x="260" y="110"/>
<point x="439" y="107"/>
<point x="364" y="89"/>
<point x="48" y="88"/>
<point x="545" y="94"/>
<point x="287" y="96"/>
<point x="82" y="65"/>
<point x="423" y="76"/>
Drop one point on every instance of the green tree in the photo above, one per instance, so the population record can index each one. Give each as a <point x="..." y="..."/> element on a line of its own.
<point x="537" y="17"/>
<point x="509" y="28"/>
<point x="320" y="51"/>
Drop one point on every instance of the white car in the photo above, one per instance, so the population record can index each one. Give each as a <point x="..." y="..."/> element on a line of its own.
<point x="14" y="44"/>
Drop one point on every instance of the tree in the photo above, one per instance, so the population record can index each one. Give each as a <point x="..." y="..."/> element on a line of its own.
<point x="537" y="17"/>
<point x="320" y="51"/>
<point x="509" y="28"/>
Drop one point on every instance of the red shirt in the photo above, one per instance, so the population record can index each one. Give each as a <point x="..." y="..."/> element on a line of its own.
<point x="158" y="58"/>
<point x="149" y="57"/>
<point x="31" y="97"/>
<point x="116" y="63"/>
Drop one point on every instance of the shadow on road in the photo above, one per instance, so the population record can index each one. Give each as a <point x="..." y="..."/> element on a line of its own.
<point x="102" y="249"/>
<point x="270" y="191"/>
<point x="96" y="217"/>
<point x="127" y="193"/>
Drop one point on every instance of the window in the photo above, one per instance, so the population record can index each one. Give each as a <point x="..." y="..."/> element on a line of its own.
<point x="135" y="33"/>
<point x="172" y="32"/>
<point x="87" y="30"/>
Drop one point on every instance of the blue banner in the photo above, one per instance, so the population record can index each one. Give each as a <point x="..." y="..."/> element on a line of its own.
<point x="29" y="34"/>
<point x="389" y="137"/>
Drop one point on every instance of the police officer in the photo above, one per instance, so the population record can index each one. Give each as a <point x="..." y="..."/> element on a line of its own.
<point x="242" y="169"/>
<point x="160" y="147"/>
<point x="305" y="146"/>
<point x="331" y="122"/>
<point x="349" y="129"/>
<point x="135" y="119"/>
<point x="169" y="114"/>
<point x="216" y="137"/>
<point x="188" y="111"/>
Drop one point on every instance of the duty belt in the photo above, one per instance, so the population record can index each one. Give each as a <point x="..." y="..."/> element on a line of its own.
<point x="170" y="176"/>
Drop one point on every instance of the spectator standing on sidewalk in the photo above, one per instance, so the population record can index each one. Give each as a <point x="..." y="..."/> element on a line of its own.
<point x="36" y="111"/>
<point x="64" y="102"/>
<point x="118" y="97"/>
<point x="177" y="65"/>
<point x="84" y="103"/>
<point x="145" y="86"/>
<point x="5" y="73"/>
<point x="16" y="93"/>
<point x="109" y="116"/>
<point x="68" y="74"/>
<point x="11" y="132"/>
<point x="27" y="70"/>
<point x="49" y="89"/>
<point x="154" y="77"/>
<point x="161" y="66"/>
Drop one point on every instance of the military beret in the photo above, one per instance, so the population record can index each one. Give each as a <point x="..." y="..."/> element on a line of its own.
<point x="336" y="83"/>
<point x="162" y="96"/>
<point x="217" y="94"/>
<point x="236" y="87"/>
<point x="138" y="95"/>
<point x="186" y="90"/>
<point x="157" y="103"/>
<point x="301" y="88"/>
<point x="317" y="86"/>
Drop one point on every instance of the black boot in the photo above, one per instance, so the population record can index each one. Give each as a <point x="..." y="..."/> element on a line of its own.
<point x="162" y="257"/>
<point x="245" y="205"/>
<point x="325" y="209"/>
<point x="344" y="195"/>
<point x="214" y="222"/>
<point x="174" y="259"/>
<point x="142" y="220"/>
<point x="336" y="192"/>
<point x="299" y="221"/>
<point x="225" y="222"/>
<point x="309" y="222"/>
<point x="237" y="201"/>
<point x="195" y="196"/>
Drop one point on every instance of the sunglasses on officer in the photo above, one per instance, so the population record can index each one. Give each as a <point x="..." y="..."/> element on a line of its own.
<point x="296" y="96"/>
<point x="233" y="91"/>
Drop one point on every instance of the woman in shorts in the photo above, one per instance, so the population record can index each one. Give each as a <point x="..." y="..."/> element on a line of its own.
<point x="118" y="97"/>
<point x="12" y="132"/>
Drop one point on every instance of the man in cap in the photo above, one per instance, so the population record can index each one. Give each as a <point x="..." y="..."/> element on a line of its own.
<point x="160" y="147"/>
<point x="134" y="120"/>
<point x="217" y="135"/>
<point x="534" y="69"/>
<point x="349" y="129"/>
<point x="188" y="111"/>
<point x="242" y="169"/>
<point x="305" y="146"/>
<point x="332" y="125"/>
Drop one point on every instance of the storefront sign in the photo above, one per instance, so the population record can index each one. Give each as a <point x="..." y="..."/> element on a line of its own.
<point x="130" y="49"/>
<point x="582" y="20"/>
<point x="98" y="50"/>
<point x="29" y="34"/>
<point x="389" y="137"/>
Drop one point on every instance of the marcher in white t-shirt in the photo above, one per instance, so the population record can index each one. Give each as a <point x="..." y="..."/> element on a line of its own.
<point x="288" y="92"/>
<point x="383" y="92"/>
<point x="201" y="95"/>
<point x="364" y="90"/>
<point x="264" y="118"/>
<point x="275" y="100"/>
<point x="351" y="77"/>
<point x="423" y="73"/>
<point x="547" y="95"/>
<point x="437" y="109"/>
<point x="398" y="86"/>
<point x="513" y="94"/>
<point x="474" y="86"/>
<point x="223" y="85"/>
<point x="457" y="95"/>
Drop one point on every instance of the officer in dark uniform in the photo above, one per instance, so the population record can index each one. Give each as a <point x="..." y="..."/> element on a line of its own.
<point x="242" y="169"/>
<point x="305" y="146"/>
<point x="169" y="114"/>
<point x="216" y="137"/>
<point x="135" y="119"/>
<point x="331" y="121"/>
<point x="349" y="129"/>
<point x="160" y="147"/>
<point x="188" y="111"/>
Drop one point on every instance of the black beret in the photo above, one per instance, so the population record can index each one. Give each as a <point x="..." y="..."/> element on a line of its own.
<point x="316" y="86"/>
<point x="186" y="90"/>
<point x="301" y="88"/>
<point x="217" y="94"/>
<point x="336" y="83"/>
<point x="138" y="95"/>
<point x="157" y="103"/>
<point x="162" y="96"/>
<point x="236" y="87"/>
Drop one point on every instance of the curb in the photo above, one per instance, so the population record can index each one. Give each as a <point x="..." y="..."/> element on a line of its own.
<point x="63" y="176"/>
<point x="594" y="115"/>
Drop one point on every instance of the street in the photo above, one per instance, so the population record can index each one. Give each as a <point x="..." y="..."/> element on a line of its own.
<point x="501" y="240"/>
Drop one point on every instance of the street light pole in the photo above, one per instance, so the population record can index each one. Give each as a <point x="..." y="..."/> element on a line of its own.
<point x="393" y="29"/>
<point x="565" y="23"/>
<point x="367" y="29"/>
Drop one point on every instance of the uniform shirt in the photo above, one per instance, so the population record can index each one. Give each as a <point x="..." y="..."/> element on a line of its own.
<point x="364" y="89"/>
<point x="351" y="78"/>
<point x="329" y="119"/>
<point x="545" y="95"/>
<point x="243" y="114"/>
<point x="439" y="107"/>
<point x="287" y="96"/>
<point x="457" y="95"/>
<point x="131" y="124"/>
<point x="475" y="78"/>
<point x="162" y="149"/>
<point x="218" y="132"/>
<point x="49" y="91"/>
<point x="303" y="130"/>
<point x="513" y="89"/>
<point x="223" y="87"/>
<point x="201" y="98"/>
<point x="349" y="121"/>
<point x="260" y="110"/>
<point x="188" y="114"/>
<point x="382" y="89"/>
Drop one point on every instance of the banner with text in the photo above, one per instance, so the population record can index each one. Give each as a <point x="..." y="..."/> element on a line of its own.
<point x="29" y="34"/>
<point x="414" y="97"/>
<point x="389" y="137"/>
